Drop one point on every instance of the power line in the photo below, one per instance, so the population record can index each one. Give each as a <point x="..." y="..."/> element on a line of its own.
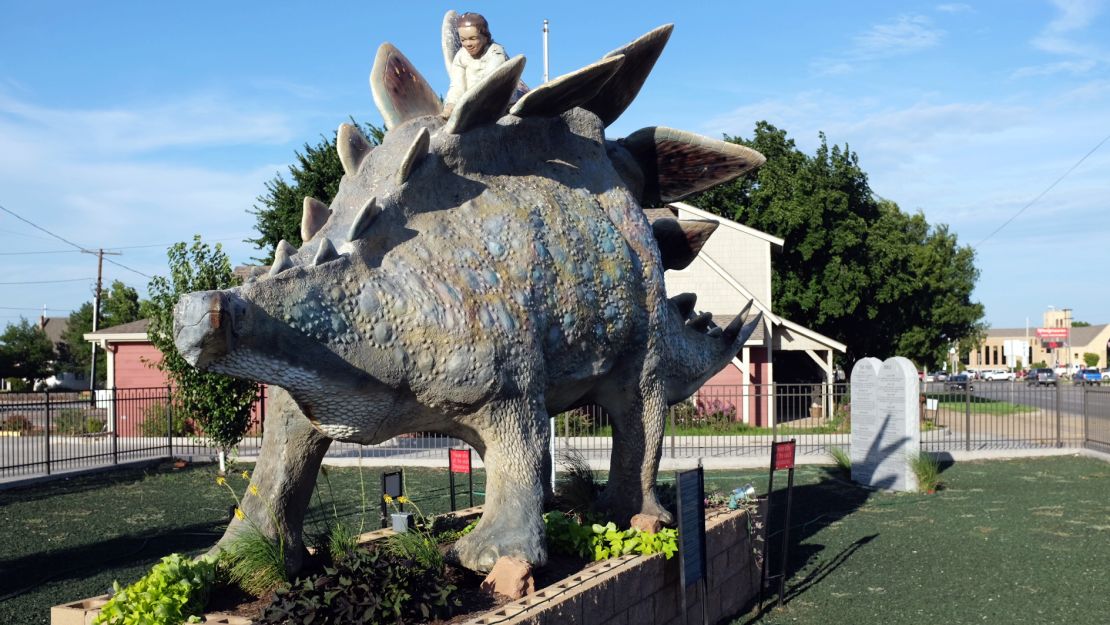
<point x="35" y="308"/>
<point x="125" y="247"/>
<point x="38" y="227"/>
<point x="50" y="281"/>
<point x="1045" y="192"/>
<point x="128" y="268"/>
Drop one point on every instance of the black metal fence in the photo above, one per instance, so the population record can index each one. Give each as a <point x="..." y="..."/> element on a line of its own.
<point x="46" y="433"/>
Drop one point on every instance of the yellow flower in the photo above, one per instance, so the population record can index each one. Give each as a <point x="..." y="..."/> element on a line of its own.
<point x="253" y="489"/>
<point x="239" y="514"/>
<point x="403" y="499"/>
<point x="221" y="481"/>
<point x="246" y="475"/>
<point x="387" y="498"/>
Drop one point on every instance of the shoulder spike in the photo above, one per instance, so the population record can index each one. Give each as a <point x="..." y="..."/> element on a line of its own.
<point x="416" y="153"/>
<point x="567" y="91"/>
<point x="622" y="88"/>
<point x="325" y="252"/>
<point x="281" y="257"/>
<point x="363" y="219"/>
<point x="352" y="148"/>
<point x="450" y="38"/>
<point x="400" y="92"/>
<point x="676" y="163"/>
<point x="487" y="101"/>
<point x="680" y="241"/>
<point x="313" y="217"/>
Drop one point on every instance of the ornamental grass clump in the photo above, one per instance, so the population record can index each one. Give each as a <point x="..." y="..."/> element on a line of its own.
<point x="927" y="470"/>
<point x="419" y="543"/>
<point x="254" y="561"/>
<point x="175" y="591"/>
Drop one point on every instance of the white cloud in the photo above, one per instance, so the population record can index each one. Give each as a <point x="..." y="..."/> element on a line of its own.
<point x="1063" y="35"/>
<point x="904" y="35"/>
<point x="954" y="7"/>
<point x="1061" y="67"/>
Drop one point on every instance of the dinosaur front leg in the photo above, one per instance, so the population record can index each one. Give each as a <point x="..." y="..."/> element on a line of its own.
<point x="639" y="415"/>
<point x="515" y="434"/>
<point x="285" y="474"/>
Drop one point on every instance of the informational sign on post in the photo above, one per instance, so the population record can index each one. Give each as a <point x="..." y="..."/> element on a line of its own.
<point x="393" y="485"/>
<point x="691" y="534"/>
<point x="458" y="461"/>
<point x="783" y="455"/>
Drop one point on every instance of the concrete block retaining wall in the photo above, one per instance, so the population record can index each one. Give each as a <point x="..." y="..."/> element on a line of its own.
<point x="641" y="590"/>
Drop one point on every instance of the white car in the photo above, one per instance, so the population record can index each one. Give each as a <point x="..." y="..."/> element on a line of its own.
<point x="995" y="375"/>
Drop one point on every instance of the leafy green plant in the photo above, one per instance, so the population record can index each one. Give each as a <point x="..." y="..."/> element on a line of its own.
<point x="842" y="459"/>
<point x="927" y="470"/>
<point x="601" y="542"/>
<point x="254" y="561"/>
<point x="574" y="423"/>
<point x="157" y="416"/>
<point x="175" y="591"/>
<point x="367" y="587"/>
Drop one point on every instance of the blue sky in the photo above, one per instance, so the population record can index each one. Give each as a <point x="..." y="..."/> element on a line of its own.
<point x="128" y="125"/>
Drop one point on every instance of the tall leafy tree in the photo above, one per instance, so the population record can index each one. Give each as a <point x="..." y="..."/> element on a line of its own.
<point x="853" y="266"/>
<point x="316" y="173"/>
<point x="119" y="305"/>
<point x="25" y="352"/>
<point x="220" y="404"/>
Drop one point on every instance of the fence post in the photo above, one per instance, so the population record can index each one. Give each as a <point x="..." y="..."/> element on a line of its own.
<point x="169" y="421"/>
<point x="1086" y="418"/>
<point x="48" y="431"/>
<point x="113" y="402"/>
<point x="670" y="417"/>
<point x="1058" y="413"/>
<point x="967" y="415"/>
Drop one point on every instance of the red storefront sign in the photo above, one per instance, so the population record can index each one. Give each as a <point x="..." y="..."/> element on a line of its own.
<point x="1052" y="334"/>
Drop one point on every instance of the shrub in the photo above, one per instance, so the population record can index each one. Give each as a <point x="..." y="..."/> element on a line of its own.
<point x="715" y="410"/>
<point x="175" y="590"/>
<point x="577" y="487"/>
<point x="574" y="423"/>
<point x="77" y="421"/>
<point x="601" y="542"/>
<point x="155" y="419"/>
<point x="253" y="560"/>
<point x="367" y="587"/>
<point x="17" y="423"/>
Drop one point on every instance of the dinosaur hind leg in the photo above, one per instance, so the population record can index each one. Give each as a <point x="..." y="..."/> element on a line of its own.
<point x="639" y="415"/>
<point x="515" y="435"/>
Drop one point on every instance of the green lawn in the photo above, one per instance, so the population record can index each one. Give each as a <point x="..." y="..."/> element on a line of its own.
<point x="1022" y="541"/>
<point x="957" y="402"/>
<point x="67" y="540"/>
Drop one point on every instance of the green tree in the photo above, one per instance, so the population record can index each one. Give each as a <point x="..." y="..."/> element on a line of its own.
<point x="220" y="404"/>
<point x="1090" y="359"/>
<point x="853" y="266"/>
<point x="315" y="174"/>
<point x="119" y="305"/>
<point x="25" y="352"/>
<point x="1080" y="324"/>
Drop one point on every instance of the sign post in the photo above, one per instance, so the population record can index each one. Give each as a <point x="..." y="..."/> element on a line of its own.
<point x="459" y="461"/>
<point x="691" y="535"/>
<point x="782" y="457"/>
<point x="393" y="484"/>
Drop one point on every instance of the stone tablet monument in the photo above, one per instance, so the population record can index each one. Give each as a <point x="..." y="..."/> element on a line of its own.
<point x="886" y="435"/>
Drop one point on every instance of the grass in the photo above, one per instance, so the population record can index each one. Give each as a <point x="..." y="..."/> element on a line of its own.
<point x="69" y="539"/>
<point x="979" y="405"/>
<point x="729" y="428"/>
<point x="1020" y="541"/>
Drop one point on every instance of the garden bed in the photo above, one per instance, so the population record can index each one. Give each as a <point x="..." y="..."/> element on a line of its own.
<point x="568" y="589"/>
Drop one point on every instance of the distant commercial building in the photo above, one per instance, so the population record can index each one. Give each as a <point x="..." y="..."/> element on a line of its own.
<point x="1056" y="343"/>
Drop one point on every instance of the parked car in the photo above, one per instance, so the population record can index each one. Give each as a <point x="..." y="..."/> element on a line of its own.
<point x="959" y="382"/>
<point x="1042" y="376"/>
<point x="938" y="376"/>
<point x="1105" y="373"/>
<point x="998" y="374"/>
<point x="1088" y="376"/>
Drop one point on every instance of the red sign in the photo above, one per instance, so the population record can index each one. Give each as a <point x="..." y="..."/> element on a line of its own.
<point x="460" y="460"/>
<point x="1051" y="334"/>
<point x="782" y="455"/>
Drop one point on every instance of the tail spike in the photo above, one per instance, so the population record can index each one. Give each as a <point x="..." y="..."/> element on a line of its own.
<point x="282" y="254"/>
<point x="313" y="217"/>
<point x="325" y="252"/>
<point x="416" y="153"/>
<point x="363" y="219"/>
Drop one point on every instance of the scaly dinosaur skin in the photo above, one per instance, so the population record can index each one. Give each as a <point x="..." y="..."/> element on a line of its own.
<point x="472" y="277"/>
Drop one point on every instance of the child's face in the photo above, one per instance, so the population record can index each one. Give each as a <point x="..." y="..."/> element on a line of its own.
<point x="473" y="41"/>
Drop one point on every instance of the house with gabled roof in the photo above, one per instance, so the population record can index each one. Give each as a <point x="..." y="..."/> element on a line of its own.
<point x="733" y="267"/>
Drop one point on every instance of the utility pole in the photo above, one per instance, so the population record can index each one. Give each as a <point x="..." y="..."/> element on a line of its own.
<point x="96" y="308"/>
